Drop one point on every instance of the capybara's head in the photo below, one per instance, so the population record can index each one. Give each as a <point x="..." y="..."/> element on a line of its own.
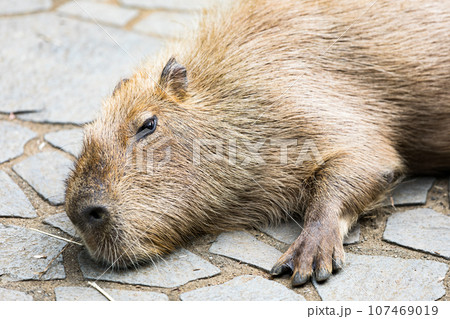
<point x="140" y="189"/>
<point x="127" y="195"/>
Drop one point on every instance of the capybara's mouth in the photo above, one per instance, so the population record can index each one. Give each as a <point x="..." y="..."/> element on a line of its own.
<point x="105" y="239"/>
<point x="122" y="262"/>
<point x="118" y="251"/>
<point x="112" y="239"/>
<point x="113" y="256"/>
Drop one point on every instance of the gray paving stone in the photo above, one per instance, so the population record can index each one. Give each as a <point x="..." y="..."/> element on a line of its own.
<point x="289" y="231"/>
<point x="70" y="141"/>
<point x="378" y="278"/>
<point x="13" y="202"/>
<point x="286" y="232"/>
<point x="412" y="191"/>
<point x="100" y="12"/>
<point x="175" y="270"/>
<point x="62" y="222"/>
<point x="90" y="294"/>
<point x="19" y="248"/>
<point x="13" y="138"/>
<point x="63" y="67"/>
<point x="244" y="247"/>
<point x="421" y="229"/>
<point x="23" y="6"/>
<point x="167" y="24"/>
<point x="13" y="295"/>
<point x="46" y="172"/>
<point x="245" y="288"/>
<point x="171" y="4"/>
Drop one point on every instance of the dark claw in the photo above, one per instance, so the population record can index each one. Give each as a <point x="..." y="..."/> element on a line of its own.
<point x="280" y="269"/>
<point x="299" y="280"/>
<point x="322" y="274"/>
<point x="338" y="264"/>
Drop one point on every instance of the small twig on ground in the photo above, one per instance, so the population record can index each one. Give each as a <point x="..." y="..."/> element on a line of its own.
<point x="58" y="237"/>
<point x="42" y="273"/>
<point x="100" y="290"/>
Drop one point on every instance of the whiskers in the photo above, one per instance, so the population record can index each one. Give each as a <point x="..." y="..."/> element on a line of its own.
<point x="121" y="250"/>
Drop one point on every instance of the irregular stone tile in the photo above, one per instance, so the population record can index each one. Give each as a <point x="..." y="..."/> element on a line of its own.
<point x="167" y="24"/>
<point x="90" y="294"/>
<point x="13" y="202"/>
<point x="244" y="247"/>
<point x="243" y="288"/>
<point x="63" y="67"/>
<point x="175" y="270"/>
<point x="286" y="232"/>
<point x="70" y="141"/>
<point x="46" y="172"/>
<point x="422" y="229"/>
<point x="289" y="231"/>
<point x="20" y="246"/>
<point x="62" y="222"/>
<point x="101" y="12"/>
<point x="378" y="278"/>
<point x="412" y="191"/>
<point x="13" y="138"/>
<point x="171" y="4"/>
<point x="13" y="295"/>
<point x="23" y="6"/>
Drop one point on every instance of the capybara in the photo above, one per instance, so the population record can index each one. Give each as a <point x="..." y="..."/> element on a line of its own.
<point x="268" y="110"/>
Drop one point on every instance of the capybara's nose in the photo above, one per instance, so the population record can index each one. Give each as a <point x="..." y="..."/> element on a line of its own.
<point x="95" y="215"/>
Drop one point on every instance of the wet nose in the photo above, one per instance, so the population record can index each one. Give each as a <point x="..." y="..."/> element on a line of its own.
<point x="95" y="215"/>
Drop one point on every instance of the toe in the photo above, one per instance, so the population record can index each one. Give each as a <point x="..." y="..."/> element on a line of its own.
<point x="280" y="269"/>
<point x="338" y="264"/>
<point x="338" y="257"/>
<point x="322" y="274"/>
<point x="299" y="279"/>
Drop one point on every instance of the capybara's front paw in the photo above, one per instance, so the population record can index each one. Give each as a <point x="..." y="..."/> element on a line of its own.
<point x="317" y="251"/>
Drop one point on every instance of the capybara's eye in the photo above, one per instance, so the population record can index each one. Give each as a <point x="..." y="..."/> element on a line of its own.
<point x="148" y="127"/>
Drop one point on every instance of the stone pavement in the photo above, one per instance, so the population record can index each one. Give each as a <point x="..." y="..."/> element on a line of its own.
<point x="58" y="59"/>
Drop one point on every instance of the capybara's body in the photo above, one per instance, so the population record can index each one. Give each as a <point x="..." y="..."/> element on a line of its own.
<point x="268" y="110"/>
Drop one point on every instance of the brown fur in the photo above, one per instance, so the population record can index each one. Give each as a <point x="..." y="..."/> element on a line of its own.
<point x="370" y="88"/>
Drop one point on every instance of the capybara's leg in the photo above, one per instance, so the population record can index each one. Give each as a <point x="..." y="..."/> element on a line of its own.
<point x="342" y="190"/>
<point x="318" y="250"/>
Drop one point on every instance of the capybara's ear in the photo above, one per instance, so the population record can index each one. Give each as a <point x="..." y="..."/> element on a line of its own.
<point x="174" y="80"/>
<point x="119" y="85"/>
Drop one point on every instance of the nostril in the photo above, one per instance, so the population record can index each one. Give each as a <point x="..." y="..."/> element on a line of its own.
<point x="95" y="214"/>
